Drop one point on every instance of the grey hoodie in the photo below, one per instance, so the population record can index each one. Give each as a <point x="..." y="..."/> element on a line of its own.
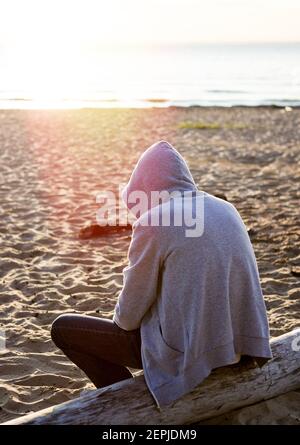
<point x="197" y="300"/>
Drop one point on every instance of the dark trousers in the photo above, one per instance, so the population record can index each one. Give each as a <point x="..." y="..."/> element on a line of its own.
<point x="98" y="346"/>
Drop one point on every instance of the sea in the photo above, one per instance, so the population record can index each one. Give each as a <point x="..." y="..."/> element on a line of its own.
<point x="153" y="76"/>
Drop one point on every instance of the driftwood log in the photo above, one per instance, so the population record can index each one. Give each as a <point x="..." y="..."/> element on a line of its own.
<point x="227" y="388"/>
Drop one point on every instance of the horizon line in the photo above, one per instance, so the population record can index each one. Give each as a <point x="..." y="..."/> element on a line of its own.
<point x="173" y="43"/>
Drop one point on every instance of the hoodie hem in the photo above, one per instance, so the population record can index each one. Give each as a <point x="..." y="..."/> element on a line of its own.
<point x="194" y="375"/>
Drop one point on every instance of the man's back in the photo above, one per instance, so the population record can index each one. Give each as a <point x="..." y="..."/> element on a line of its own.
<point x="197" y="299"/>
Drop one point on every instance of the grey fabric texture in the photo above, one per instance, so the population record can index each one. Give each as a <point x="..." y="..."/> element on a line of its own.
<point x="197" y="300"/>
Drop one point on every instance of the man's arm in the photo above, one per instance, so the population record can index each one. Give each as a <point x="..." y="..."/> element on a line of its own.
<point x="140" y="279"/>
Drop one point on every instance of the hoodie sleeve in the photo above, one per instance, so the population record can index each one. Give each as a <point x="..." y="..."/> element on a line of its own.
<point x="140" y="279"/>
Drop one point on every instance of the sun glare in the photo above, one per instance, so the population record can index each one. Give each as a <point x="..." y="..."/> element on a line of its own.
<point x="55" y="56"/>
<point x="66" y="51"/>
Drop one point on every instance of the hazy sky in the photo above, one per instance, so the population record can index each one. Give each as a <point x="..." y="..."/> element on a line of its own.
<point x="84" y="22"/>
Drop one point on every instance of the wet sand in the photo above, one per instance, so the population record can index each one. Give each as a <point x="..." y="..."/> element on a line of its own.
<point x="53" y="163"/>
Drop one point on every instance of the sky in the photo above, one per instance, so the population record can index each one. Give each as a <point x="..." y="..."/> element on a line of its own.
<point x="51" y="48"/>
<point x="74" y="23"/>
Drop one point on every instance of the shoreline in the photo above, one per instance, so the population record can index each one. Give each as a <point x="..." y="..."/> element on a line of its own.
<point x="153" y="106"/>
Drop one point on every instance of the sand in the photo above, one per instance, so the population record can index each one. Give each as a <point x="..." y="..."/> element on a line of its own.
<point x="53" y="163"/>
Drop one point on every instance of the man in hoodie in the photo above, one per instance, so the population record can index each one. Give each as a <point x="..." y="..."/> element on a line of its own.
<point x="191" y="300"/>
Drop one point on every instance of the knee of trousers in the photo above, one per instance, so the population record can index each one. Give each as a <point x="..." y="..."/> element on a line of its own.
<point x="57" y="329"/>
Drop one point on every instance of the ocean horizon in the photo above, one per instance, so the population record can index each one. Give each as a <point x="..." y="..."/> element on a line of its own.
<point x="154" y="76"/>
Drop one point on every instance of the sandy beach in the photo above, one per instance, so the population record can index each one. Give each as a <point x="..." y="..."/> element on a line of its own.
<point x="52" y="165"/>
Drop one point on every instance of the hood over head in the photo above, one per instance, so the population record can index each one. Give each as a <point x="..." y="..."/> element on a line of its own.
<point x="160" y="168"/>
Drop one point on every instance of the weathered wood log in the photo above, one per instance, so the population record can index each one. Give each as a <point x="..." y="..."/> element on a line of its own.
<point x="227" y="388"/>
